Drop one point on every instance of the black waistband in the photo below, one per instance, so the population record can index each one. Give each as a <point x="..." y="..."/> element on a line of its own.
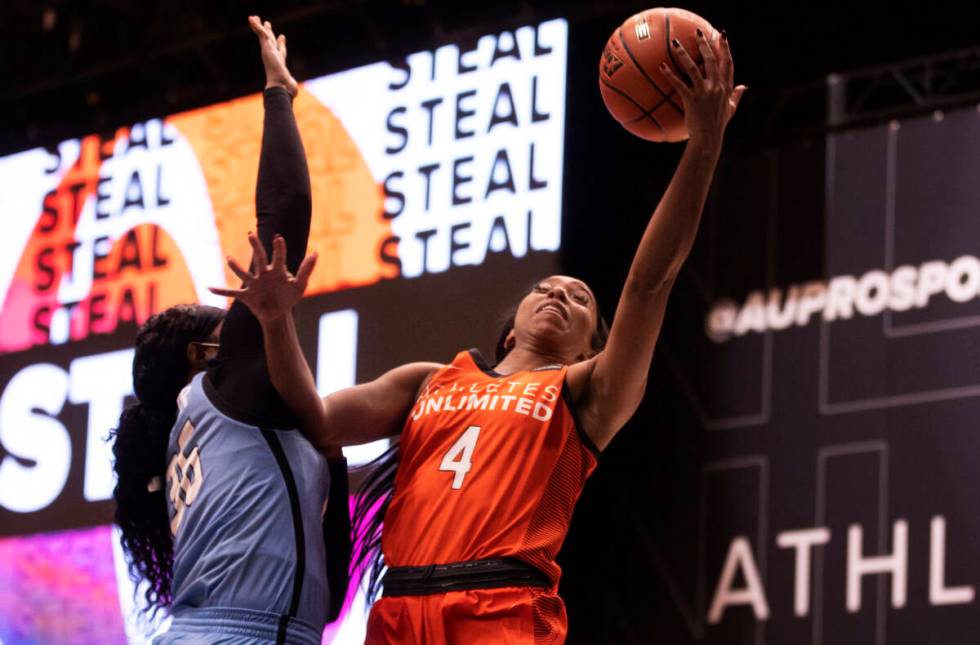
<point x="456" y="576"/>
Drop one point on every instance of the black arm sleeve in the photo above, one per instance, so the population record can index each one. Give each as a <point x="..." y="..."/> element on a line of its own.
<point x="337" y="536"/>
<point x="238" y="382"/>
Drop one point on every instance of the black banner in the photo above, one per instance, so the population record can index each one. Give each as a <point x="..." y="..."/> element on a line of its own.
<point x="803" y="467"/>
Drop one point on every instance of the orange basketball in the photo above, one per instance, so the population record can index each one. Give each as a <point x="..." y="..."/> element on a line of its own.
<point x="634" y="89"/>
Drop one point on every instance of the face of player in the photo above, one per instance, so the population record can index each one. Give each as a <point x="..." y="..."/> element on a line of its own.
<point x="200" y="352"/>
<point x="558" y="316"/>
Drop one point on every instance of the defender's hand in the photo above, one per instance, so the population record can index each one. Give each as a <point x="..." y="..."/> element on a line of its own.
<point x="270" y="290"/>
<point x="273" y="50"/>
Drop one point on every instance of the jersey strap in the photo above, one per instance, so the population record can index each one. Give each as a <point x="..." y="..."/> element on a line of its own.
<point x="566" y="393"/>
<point x="287" y="474"/>
<point x="472" y="574"/>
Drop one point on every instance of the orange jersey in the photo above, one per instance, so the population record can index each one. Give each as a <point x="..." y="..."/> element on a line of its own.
<point x="491" y="466"/>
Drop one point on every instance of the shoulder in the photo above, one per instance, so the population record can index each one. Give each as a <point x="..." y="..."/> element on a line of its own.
<point x="413" y="376"/>
<point x="418" y="370"/>
<point x="586" y="399"/>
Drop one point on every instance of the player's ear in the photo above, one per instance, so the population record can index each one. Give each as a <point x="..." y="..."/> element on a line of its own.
<point x="511" y="340"/>
<point x="196" y="355"/>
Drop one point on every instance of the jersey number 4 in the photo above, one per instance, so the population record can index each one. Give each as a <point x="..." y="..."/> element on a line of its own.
<point x="458" y="459"/>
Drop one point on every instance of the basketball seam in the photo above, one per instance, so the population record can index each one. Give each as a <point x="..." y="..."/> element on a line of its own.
<point x="647" y="113"/>
<point x="631" y="100"/>
<point x="643" y="72"/>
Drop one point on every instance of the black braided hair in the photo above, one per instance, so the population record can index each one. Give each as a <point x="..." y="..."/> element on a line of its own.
<point x="374" y="497"/>
<point x="160" y="371"/>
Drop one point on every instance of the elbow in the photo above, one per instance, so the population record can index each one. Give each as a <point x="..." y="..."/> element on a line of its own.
<point x="651" y="287"/>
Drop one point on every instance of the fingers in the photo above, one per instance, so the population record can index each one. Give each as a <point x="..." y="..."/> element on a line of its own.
<point x="228" y="293"/>
<point x="278" y="253"/>
<point x="305" y="269"/>
<point x="259" y="258"/>
<point x="687" y="63"/>
<point x="261" y="29"/>
<point x="237" y="269"/>
<point x="710" y="60"/>
<point x="264" y="30"/>
<point x="680" y="86"/>
<point x="727" y="66"/>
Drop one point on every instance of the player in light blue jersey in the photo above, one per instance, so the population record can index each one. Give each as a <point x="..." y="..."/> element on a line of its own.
<point x="220" y="500"/>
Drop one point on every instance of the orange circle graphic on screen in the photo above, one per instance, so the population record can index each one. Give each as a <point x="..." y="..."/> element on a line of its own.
<point x="347" y="228"/>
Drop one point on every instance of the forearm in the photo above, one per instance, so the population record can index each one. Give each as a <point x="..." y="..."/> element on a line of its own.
<point x="291" y="376"/>
<point x="669" y="236"/>
<point x="378" y="408"/>
<point x="283" y="201"/>
<point x="280" y="208"/>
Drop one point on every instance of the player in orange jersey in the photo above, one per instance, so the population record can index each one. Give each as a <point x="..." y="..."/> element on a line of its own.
<point x="492" y="460"/>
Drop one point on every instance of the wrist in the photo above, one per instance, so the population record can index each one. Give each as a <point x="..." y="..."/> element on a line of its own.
<point x="275" y="324"/>
<point x="705" y="146"/>
<point x="271" y="85"/>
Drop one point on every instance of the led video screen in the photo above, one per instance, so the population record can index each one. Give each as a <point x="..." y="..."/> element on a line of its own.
<point x="437" y="199"/>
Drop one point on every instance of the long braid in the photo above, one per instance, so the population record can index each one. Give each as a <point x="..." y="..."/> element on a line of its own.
<point x="160" y="368"/>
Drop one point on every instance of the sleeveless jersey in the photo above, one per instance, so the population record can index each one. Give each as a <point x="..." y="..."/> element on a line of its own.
<point x="491" y="466"/>
<point x="245" y="508"/>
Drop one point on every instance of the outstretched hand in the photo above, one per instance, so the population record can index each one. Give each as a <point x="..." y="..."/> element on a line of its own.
<point x="711" y="98"/>
<point x="273" y="50"/>
<point x="270" y="291"/>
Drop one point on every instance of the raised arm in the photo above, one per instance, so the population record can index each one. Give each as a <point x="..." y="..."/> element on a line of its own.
<point x="609" y="387"/>
<point x="283" y="202"/>
<point x="283" y="206"/>
<point x="355" y="415"/>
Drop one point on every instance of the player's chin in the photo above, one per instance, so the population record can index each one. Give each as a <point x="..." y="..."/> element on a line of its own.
<point x="550" y="325"/>
<point x="560" y="334"/>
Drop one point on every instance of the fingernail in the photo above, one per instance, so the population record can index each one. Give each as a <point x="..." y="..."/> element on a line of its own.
<point x="724" y="35"/>
<point x="700" y="33"/>
<point x="675" y="42"/>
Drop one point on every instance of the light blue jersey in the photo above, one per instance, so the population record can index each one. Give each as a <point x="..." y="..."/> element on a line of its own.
<point x="245" y="508"/>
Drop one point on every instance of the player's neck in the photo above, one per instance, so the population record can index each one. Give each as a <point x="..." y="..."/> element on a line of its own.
<point x="523" y="358"/>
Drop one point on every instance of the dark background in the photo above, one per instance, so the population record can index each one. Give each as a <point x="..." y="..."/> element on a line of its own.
<point x="637" y="565"/>
<point x="74" y="66"/>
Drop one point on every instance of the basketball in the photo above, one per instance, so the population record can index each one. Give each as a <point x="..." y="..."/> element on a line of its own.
<point x="636" y="92"/>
